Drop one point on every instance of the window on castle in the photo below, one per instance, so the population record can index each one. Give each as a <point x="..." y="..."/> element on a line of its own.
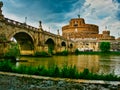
<point x="76" y="25"/>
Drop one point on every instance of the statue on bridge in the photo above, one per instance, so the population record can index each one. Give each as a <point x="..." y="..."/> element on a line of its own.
<point x="58" y="32"/>
<point x="40" y="24"/>
<point x="1" y="15"/>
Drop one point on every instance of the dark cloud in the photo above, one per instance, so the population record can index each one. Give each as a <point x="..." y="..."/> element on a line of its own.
<point x="52" y="6"/>
<point x="41" y="7"/>
<point x="59" y="6"/>
<point x="118" y="15"/>
<point x="47" y="10"/>
<point x="118" y="1"/>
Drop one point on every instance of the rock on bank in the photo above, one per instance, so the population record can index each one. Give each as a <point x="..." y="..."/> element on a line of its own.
<point x="12" y="81"/>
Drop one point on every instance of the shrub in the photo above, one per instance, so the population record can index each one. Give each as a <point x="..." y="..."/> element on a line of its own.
<point x="69" y="71"/>
<point x="105" y="46"/>
<point x="6" y="66"/>
<point x="77" y="51"/>
<point x="72" y="72"/>
<point x="65" y="52"/>
<point x="54" y="71"/>
<point x="41" y="70"/>
<point x="64" y="71"/>
<point x="13" y="52"/>
<point x="41" y="54"/>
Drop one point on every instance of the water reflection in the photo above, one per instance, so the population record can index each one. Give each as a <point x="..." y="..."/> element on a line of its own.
<point x="88" y="61"/>
<point x="95" y="63"/>
<point x="110" y="64"/>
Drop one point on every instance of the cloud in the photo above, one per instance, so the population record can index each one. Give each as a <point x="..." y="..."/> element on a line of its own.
<point x="103" y="13"/>
<point x="14" y="3"/>
<point x="99" y="9"/>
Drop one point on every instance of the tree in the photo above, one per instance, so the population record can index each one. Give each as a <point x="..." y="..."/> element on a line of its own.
<point x="105" y="46"/>
<point x="13" y="52"/>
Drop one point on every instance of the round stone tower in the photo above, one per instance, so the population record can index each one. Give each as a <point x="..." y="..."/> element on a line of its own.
<point x="106" y="33"/>
<point x="77" y="28"/>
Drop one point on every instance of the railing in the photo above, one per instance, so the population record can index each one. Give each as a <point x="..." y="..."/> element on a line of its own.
<point x="20" y="24"/>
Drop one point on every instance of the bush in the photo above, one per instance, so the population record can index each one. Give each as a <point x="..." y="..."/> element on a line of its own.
<point x="41" y="70"/>
<point x="6" y="66"/>
<point x="65" y="52"/>
<point x="41" y="54"/>
<point x="105" y="46"/>
<point x="13" y="52"/>
<point x="69" y="72"/>
<point x="25" y="70"/>
<point x="54" y="71"/>
<point x="77" y="51"/>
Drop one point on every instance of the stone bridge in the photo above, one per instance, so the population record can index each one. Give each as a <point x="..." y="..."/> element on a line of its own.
<point x="31" y="39"/>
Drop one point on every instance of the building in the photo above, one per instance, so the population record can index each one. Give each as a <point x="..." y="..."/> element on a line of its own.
<point x="115" y="45"/>
<point x="86" y="36"/>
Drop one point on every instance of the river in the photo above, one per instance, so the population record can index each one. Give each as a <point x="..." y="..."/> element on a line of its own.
<point x="95" y="63"/>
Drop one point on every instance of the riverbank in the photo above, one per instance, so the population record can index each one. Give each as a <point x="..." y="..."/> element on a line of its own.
<point x="55" y="71"/>
<point x="12" y="81"/>
<point x="96" y="53"/>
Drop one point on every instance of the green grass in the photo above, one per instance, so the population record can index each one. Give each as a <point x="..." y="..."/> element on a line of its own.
<point x="6" y="66"/>
<point x="63" y="53"/>
<point x="77" y="52"/>
<point x="54" y="71"/>
<point x="41" y="54"/>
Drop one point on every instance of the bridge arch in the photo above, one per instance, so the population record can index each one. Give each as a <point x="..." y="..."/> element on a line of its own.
<point x="19" y="31"/>
<point x="25" y="41"/>
<point x="71" y="45"/>
<point x="63" y="44"/>
<point x="51" y="45"/>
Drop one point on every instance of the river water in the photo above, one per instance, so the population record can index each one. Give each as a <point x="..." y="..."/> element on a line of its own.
<point x="95" y="63"/>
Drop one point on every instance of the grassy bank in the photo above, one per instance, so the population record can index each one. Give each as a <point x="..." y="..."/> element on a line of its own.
<point x="96" y="53"/>
<point x="54" y="71"/>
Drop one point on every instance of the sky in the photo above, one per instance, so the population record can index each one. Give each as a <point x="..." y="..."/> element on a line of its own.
<point x="56" y="13"/>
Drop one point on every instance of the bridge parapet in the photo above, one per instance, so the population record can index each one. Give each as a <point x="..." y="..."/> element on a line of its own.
<point x="16" y="23"/>
<point x="51" y="34"/>
<point x="24" y="25"/>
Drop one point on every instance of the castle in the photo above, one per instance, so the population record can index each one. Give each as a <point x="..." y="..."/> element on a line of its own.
<point x="86" y="36"/>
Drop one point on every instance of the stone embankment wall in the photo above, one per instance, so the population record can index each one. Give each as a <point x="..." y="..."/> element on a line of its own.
<point x="11" y="81"/>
